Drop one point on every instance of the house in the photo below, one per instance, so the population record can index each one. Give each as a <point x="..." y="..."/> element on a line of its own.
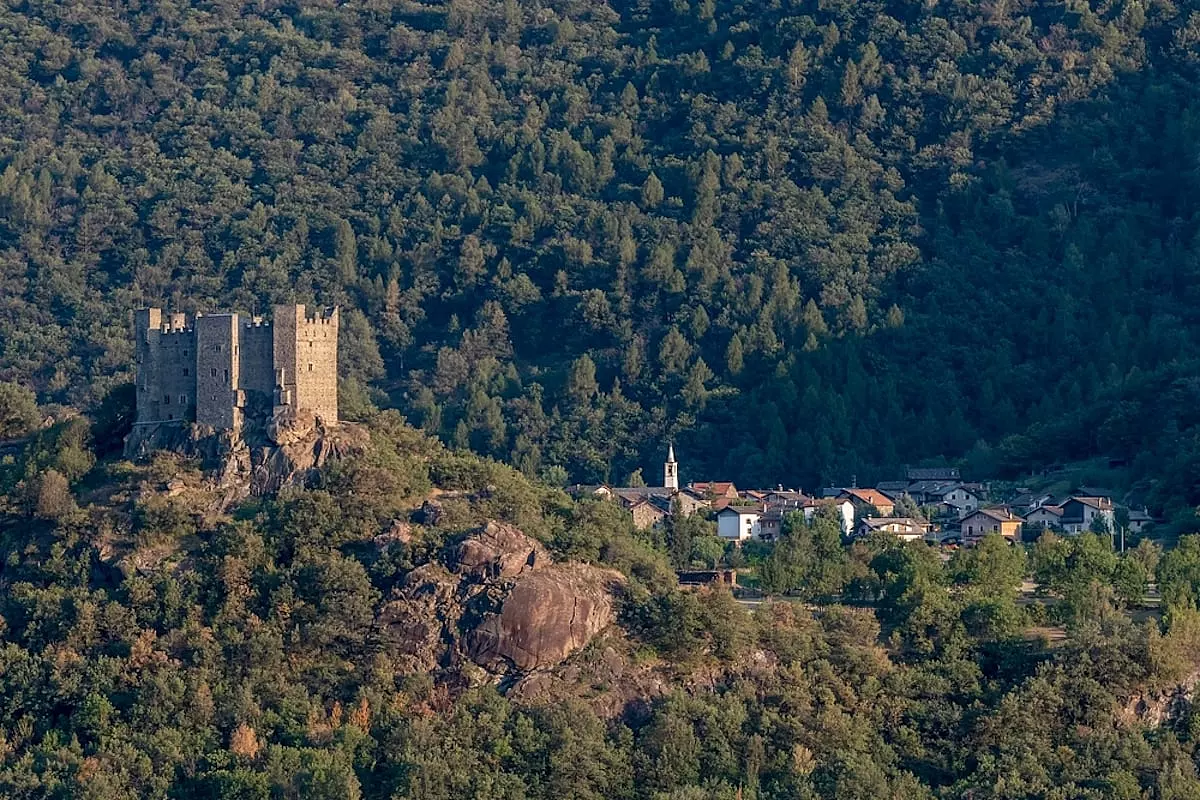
<point x="1026" y="501"/>
<point x="715" y="489"/>
<point x="844" y="508"/>
<point x="904" y="528"/>
<point x="781" y="495"/>
<point x="869" y="501"/>
<point x="647" y="513"/>
<point x="582" y="491"/>
<point x="1045" y="516"/>
<point x="690" y="502"/>
<point x="738" y="523"/>
<point x="931" y="493"/>
<point x="771" y="522"/>
<point x="1080" y="513"/>
<point x="915" y="474"/>
<point x="946" y="510"/>
<point x="770" y="525"/>
<point x="1139" y="519"/>
<point x="893" y="489"/>
<point x="982" y="521"/>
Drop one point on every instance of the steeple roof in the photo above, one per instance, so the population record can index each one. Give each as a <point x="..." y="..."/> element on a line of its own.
<point x="671" y="454"/>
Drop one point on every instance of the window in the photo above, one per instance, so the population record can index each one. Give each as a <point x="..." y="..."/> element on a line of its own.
<point x="183" y="399"/>
<point x="310" y="367"/>
<point x="185" y="372"/>
<point x="214" y="372"/>
<point x="170" y="416"/>
<point x="310" y="344"/>
<point x="167" y="399"/>
<point x="226" y="375"/>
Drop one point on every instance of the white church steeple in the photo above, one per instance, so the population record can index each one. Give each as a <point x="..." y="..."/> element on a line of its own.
<point x="671" y="470"/>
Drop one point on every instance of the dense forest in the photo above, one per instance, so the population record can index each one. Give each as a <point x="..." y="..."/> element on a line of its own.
<point x="805" y="241"/>
<point x="153" y="645"/>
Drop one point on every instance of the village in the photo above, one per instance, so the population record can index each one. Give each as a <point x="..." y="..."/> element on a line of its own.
<point x="932" y="504"/>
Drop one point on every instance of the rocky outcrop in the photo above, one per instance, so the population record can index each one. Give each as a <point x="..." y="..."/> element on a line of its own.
<point x="503" y="605"/>
<point x="289" y="451"/>
<point x="549" y="615"/>
<point x="417" y="624"/>
<point x="607" y="677"/>
<point x="499" y="552"/>
<point x="295" y="459"/>
<point x="1162" y="707"/>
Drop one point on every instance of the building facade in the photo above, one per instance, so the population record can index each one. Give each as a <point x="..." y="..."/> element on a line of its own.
<point x="214" y="369"/>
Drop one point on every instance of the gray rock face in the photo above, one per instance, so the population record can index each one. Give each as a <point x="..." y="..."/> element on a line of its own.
<point x="289" y="452"/>
<point x="505" y="606"/>
<point x="549" y="615"/>
<point x="500" y="552"/>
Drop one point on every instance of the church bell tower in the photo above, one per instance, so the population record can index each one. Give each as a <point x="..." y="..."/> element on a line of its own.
<point x="671" y="470"/>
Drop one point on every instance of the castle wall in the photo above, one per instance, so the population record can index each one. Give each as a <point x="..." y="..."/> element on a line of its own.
<point x="257" y="358"/>
<point x="147" y="325"/>
<point x="209" y="368"/>
<point x="217" y="348"/>
<point x="305" y="349"/>
<point x="165" y="381"/>
<point x="177" y="374"/>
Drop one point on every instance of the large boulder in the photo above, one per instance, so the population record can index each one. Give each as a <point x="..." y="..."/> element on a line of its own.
<point x="550" y="614"/>
<point x="499" y="552"/>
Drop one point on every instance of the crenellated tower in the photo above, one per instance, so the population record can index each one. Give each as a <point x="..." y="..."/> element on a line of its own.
<point x="215" y="368"/>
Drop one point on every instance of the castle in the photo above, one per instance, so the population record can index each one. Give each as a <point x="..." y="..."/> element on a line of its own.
<point x="217" y="369"/>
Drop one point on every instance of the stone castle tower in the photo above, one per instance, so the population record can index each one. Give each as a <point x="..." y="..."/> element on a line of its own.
<point x="216" y="368"/>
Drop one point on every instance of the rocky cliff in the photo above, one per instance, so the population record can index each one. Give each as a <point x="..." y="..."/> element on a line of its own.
<point x="288" y="450"/>
<point x="501" y="604"/>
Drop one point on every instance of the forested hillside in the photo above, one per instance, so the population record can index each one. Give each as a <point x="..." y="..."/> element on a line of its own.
<point x="157" y="643"/>
<point x="803" y="239"/>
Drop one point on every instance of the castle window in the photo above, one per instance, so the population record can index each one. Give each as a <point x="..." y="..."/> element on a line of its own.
<point x="185" y="372"/>
<point x="214" y="372"/>
<point x="310" y="367"/>
<point x="183" y="399"/>
<point x="226" y="374"/>
<point x="167" y="399"/>
<point x="170" y="416"/>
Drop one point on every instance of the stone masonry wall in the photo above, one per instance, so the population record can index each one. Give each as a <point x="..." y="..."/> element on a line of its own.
<point x="203" y="369"/>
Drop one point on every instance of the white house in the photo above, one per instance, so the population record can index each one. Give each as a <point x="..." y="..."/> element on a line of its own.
<point x="932" y="493"/>
<point x="845" y="510"/>
<point x="1045" y="516"/>
<point x="903" y="528"/>
<point x="739" y="523"/>
<point x="1080" y="512"/>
